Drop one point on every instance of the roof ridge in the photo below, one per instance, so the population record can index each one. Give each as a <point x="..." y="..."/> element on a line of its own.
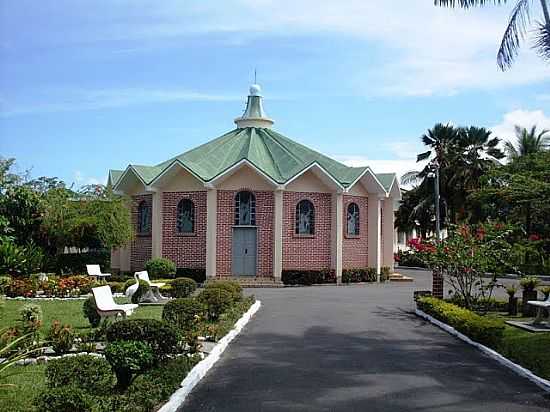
<point x="276" y="166"/>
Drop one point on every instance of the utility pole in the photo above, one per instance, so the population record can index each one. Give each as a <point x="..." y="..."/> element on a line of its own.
<point x="437" y="203"/>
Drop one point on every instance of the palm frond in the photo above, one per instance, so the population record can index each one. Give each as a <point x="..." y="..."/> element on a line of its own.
<point x="542" y="41"/>
<point x="423" y="156"/>
<point x="514" y="34"/>
<point x="466" y="4"/>
<point x="511" y="150"/>
<point x="411" y="178"/>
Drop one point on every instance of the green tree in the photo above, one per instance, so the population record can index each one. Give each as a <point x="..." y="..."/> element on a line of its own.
<point x="516" y="30"/>
<point x="528" y="142"/>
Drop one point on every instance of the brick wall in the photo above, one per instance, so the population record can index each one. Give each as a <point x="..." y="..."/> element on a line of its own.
<point x="142" y="243"/>
<point x="264" y="223"/>
<point x="186" y="250"/>
<point x="307" y="253"/>
<point x="355" y="248"/>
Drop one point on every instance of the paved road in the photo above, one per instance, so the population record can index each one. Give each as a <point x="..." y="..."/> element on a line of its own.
<point x="355" y="348"/>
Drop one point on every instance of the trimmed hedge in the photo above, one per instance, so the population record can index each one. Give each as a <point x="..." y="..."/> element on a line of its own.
<point x="183" y="313"/>
<point x="308" y="277"/>
<point x="162" y="338"/>
<point x="160" y="267"/>
<point x="182" y="287"/>
<point x="92" y="373"/>
<point x="216" y="301"/>
<point x="486" y="331"/>
<point x="359" y="275"/>
<point x="234" y="288"/>
<point x="198" y="275"/>
<point x="89" y="308"/>
<point x="63" y="399"/>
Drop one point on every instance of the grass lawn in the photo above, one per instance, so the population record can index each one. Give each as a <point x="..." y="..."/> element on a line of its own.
<point x="68" y="311"/>
<point x="29" y="381"/>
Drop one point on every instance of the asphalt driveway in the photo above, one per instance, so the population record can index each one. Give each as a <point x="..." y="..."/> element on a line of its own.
<point x="355" y="348"/>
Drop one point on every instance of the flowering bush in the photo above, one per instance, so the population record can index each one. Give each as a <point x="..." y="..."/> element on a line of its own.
<point x="466" y="256"/>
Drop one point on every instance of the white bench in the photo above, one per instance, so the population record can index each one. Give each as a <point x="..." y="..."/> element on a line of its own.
<point x="95" y="270"/>
<point x="541" y="305"/>
<point x="106" y="305"/>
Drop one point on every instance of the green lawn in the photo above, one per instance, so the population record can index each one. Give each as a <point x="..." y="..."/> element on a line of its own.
<point x="28" y="381"/>
<point x="68" y="311"/>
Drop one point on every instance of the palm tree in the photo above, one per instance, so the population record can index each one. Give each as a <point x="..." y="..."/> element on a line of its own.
<point x="527" y="142"/>
<point x="516" y="30"/>
<point x="411" y="178"/>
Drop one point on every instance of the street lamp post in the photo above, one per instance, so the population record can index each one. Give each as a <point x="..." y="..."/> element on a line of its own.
<point x="435" y="174"/>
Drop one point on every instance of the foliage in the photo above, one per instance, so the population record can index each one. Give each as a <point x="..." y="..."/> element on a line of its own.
<point x="23" y="208"/>
<point x="4" y="283"/>
<point x="385" y="273"/>
<point x="466" y="256"/>
<point x="159" y="335"/>
<point x="234" y="288"/>
<point x="127" y="359"/>
<point x="227" y="320"/>
<point x="61" y="337"/>
<point x="545" y="291"/>
<point x="19" y="260"/>
<point x="160" y="267"/>
<point x="359" y="275"/>
<point x="76" y="262"/>
<point x="481" y="329"/>
<point x="30" y="320"/>
<point x="129" y="283"/>
<point x="141" y="291"/>
<point x="527" y="142"/>
<point x="529" y="283"/>
<point x="117" y="287"/>
<point x="308" y="277"/>
<point x="183" y="313"/>
<point x="63" y="399"/>
<point x="182" y="287"/>
<point x="91" y="373"/>
<point x="20" y="287"/>
<point x="409" y="257"/>
<point x="511" y="290"/>
<point x="89" y="308"/>
<point x="216" y="301"/>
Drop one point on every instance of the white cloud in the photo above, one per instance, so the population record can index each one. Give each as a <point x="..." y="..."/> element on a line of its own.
<point x="80" y="179"/>
<point x="400" y="166"/>
<point x="73" y="100"/>
<point x="524" y="118"/>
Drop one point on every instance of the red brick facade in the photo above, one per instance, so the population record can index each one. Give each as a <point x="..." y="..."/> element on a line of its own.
<point x="142" y="244"/>
<point x="264" y="223"/>
<point x="185" y="250"/>
<point x="307" y="253"/>
<point x="354" y="248"/>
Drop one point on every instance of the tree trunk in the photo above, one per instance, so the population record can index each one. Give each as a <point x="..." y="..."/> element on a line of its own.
<point x="545" y="11"/>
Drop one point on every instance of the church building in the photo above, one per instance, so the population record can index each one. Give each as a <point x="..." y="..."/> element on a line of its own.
<point x="255" y="203"/>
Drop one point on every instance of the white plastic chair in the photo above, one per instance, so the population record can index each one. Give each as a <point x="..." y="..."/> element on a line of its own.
<point x="95" y="270"/>
<point x="541" y="305"/>
<point x="106" y="305"/>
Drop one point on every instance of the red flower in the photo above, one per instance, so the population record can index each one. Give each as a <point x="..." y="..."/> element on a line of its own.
<point x="534" y="237"/>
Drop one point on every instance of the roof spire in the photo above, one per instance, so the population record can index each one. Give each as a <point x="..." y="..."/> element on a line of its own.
<point x="254" y="114"/>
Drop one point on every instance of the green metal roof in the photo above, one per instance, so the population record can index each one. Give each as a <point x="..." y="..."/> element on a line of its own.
<point x="386" y="179"/>
<point x="277" y="156"/>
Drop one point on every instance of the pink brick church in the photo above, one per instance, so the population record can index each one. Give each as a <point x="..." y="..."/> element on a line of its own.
<point x="255" y="203"/>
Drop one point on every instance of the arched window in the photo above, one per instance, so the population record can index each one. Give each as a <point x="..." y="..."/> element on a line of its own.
<point x="144" y="217"/>
<point x="353" y="219"/>
<point x="185" y="221"/>
<point x="305" y="218"/>
<point x="245" y="209"/>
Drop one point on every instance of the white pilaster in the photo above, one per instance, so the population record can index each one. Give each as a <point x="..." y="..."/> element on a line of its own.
<point x="211" y="228"/>
<point x="388" y="232"/>
<point x="337" y="234"/>
<point x="156" y="228"/>
<point x="374" y="235"/>
<point x="278" y="235"/>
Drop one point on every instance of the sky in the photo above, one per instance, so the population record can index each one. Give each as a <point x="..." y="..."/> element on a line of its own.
<point x="86" y="86"/>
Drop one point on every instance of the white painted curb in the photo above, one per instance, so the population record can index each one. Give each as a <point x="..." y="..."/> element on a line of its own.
<point x="201" y="368"/>
<point x="520" y="370"/>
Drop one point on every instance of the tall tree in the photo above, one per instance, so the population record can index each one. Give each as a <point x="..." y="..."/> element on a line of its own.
<point x="516" y="30"/>
<point x="528" y="142"/>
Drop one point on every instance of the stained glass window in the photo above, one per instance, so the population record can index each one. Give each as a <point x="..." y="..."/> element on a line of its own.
<point x="305" y="218"/>
<point x="353" y="219"/>
<point x="144" y="217"/>
<point x="185" y="222"/>
<point x="245" y="209"/>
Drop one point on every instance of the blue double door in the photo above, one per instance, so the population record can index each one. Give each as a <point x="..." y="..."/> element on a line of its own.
<point x="245" y="249"/>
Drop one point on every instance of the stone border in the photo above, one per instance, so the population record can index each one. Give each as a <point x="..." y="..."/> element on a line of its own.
<point x="520" y="370"/>
<point x="82" y="297"/>
<point x="200" y="369"/>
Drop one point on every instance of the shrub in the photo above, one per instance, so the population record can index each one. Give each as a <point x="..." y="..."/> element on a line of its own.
<point x="183" y="313"/>
<point x="160" y="267"/>
<point x="159" y="335"/>
<point x="545" y="291"/>
<point x="91" y="373"/>
<point x="89" y="308"/>
<point x="141" y="291"/>
<point x="4" y="283"/>
<point x="385" y="272"/>
<point x="182" y="287"/>
<point x="61" y="337"/>
<point x="30" y="318"/>
<point x="359" y="275"/>
<point x="198" y="275"/>
<point x="234" y="288"/>
<point x="308" y="277"/>
<point x="76" y="262"/>
<point x="483" y="330"/>
<point x="216" y="301"/>
<point x="20" y="287"/>
<point x="128" y="358"/>
<point x="529" y="283"/>
<point x="63" y="399"/>
<point x="117" y="287"/>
